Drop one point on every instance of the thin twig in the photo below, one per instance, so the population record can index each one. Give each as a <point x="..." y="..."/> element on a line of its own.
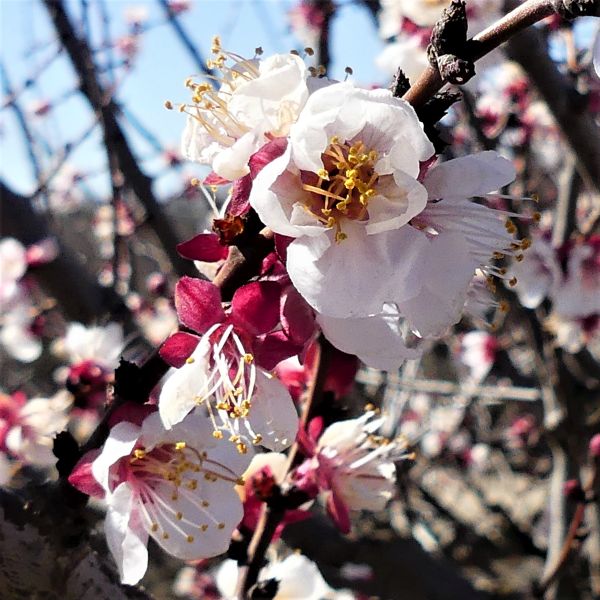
<point x="483" y="43"/>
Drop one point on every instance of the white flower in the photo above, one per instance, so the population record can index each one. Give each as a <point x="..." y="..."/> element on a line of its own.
<point x="478" y="352"/>
<point x="424" y="13"/>
<point x="16" y="335"/>
<point x="537" y="274"/>
<point x="344" y="188"/>
<point x="243" y="401"/>
<point x="578" y="295"/>
<point x="177" y="486"/>
<point x="258" y="100"/>
<point x="32" y="428"/>
<point x="352" y="465"/>
<point x="13" y="265"/>
<point x="102" y="345"/>
<point x="297" y="576"/>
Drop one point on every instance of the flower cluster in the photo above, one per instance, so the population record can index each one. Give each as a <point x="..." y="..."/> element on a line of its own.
<point x="569" y="277"/>
<point x="377" y="246"/>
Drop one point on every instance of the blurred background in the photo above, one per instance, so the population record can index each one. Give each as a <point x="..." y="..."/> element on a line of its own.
<point x="500" y="413"/>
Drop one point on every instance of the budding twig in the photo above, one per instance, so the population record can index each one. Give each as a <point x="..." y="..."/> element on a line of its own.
<point x="483" y="43"/>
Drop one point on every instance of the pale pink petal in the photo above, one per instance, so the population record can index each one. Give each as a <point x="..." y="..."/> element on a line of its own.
<point x="468" y="176"/>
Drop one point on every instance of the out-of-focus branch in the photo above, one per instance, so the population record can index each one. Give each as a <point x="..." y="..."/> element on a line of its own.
<point x="114" y="137"/>
<point x="327" y="9"/>
<point x="529" y="49"/>
<point x="185" y="39"/>
<point x="569" y="186"/>
<point x="23" y="124"/>
<point x="65" y="278"/>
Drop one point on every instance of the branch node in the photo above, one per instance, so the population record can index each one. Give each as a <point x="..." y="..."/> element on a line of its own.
<point x="448" y="50"/>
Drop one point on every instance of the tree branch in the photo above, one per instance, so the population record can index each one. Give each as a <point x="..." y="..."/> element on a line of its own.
<point x="114" y="137"/>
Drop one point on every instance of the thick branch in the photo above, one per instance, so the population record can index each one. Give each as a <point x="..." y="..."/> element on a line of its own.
<point x="528" y="48"/>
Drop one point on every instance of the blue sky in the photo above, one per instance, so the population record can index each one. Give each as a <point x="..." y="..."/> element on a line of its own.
<point x="160" y="69"/>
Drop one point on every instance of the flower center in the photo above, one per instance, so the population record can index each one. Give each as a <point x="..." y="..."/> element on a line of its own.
<point x="230" y="386"/>
<point x="179" y="464"/>
<point x="224" y="126"/>
<point x="344" y="186"/>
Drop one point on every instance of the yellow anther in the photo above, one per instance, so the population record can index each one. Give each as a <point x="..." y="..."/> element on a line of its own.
<point x="189" y="539"/>
<point x="512" y="281"/>
<point x="191" y="359"/>
<point x="205" y="503"/>
<point x="203" y="527"/>
<point x="218" y="435"/>
<point x="139" y="453"/>
<point x="192" y="484"/>
<point x="234" y="438"/>
<point x="241" y="448"/>
<point x="179" y="516"/>
<point x="323" y="174"/>
<point x="216" y="45"/>
<point x="248" y="358"/>
<point x="240" y="481"/>
<point x="154" y="527"/>
<point x="334" y="140"/>
<point x="519" y="257"/>
<point x="326" y="211"/>
<point x="165" y="536"/>
<point x="180" y="446"/>
<point x="257" y="439"/>
<point x="340" y="236"/>
<point x="195" y="182"/>
<point x="221" y="525"/>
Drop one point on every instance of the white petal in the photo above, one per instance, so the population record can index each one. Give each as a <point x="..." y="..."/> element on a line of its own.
<point x="398" y="200"/>
<point x="181" y="389"/>
<point x="467" y="176"/>
<point x="19" y="343"/>
<point x="126" y="543"/>
<point x="298" y="578"/>
<point x="273" y="413"/>
<point x="232" y="163"/>
<point x="445" y="273"/>
<point x="376" y="340"/>
<point x="13" y="260"/>
<point x="120" y="442"/>
<point x="358" y="276"/>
